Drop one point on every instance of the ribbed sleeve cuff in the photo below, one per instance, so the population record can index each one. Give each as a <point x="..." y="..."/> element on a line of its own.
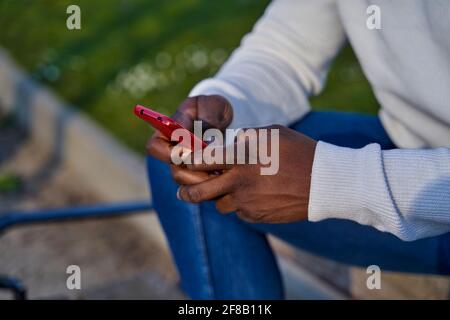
<point x="344" y="183"/>
<point x="403" y="192"/>
<point x="334" y="182"/>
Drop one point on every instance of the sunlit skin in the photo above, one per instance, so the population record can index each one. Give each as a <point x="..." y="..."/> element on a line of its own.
<point x="240" y="188"/>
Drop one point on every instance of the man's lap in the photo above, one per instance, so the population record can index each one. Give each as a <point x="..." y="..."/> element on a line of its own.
<point x="342" y="240"/>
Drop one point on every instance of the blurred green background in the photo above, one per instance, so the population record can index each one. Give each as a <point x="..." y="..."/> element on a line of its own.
<point x="145" y="51"/>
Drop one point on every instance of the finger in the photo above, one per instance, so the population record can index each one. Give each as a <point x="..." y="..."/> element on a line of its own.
<point x="187" y="113"/>
<point x="159" y="147"/>
<point x="207" y="190"/>
<point x="210" y="159"/>
<point x="184" y="176"/>
<point x="215" y="111"/>
<point x="245" y="216"/>
<point x="203" y="167"/>
<point x="226" y="204"/>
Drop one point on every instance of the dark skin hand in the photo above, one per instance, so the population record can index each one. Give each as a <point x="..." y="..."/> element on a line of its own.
<point x="240" y="188"/>
<point x="215" y="112"/>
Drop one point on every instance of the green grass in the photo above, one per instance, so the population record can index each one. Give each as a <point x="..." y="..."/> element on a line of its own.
<point x="9" y="183"/>
<point x="121" y="43"/>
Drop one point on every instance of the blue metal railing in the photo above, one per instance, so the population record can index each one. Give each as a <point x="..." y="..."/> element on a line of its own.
<point x="11" y="219"/>
<point x="80" y="212"/>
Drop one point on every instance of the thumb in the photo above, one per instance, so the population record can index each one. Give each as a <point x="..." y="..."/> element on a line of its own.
<point x="215" y="111"/>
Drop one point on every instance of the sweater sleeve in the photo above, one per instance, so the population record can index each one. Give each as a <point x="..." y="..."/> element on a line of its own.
<point x="403" y="191"/>
<point x="283" y="61"/>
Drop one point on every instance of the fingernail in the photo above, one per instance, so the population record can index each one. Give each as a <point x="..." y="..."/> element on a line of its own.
<point x="178" y="194"/>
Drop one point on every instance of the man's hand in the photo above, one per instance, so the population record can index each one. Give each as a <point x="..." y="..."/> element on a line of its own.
<point x="278" y="198"/>
<point x="215" y="112"/>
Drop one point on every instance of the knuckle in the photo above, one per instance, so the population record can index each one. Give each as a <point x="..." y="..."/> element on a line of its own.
<point x="220" y="101"/>
<point x="240" y="181"/>
<point x="205" y="103"/>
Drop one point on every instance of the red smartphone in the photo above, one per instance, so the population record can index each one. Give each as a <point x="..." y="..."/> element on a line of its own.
<point x="166" y="126"/>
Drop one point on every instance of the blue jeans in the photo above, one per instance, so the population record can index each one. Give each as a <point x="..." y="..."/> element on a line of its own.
<point x="222" y="257"/>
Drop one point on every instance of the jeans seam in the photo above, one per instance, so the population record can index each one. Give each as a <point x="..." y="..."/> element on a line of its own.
<point x="204" y="250"/>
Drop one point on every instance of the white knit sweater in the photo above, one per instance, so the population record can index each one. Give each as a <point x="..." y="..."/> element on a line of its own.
<point x="285" y="59"/>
